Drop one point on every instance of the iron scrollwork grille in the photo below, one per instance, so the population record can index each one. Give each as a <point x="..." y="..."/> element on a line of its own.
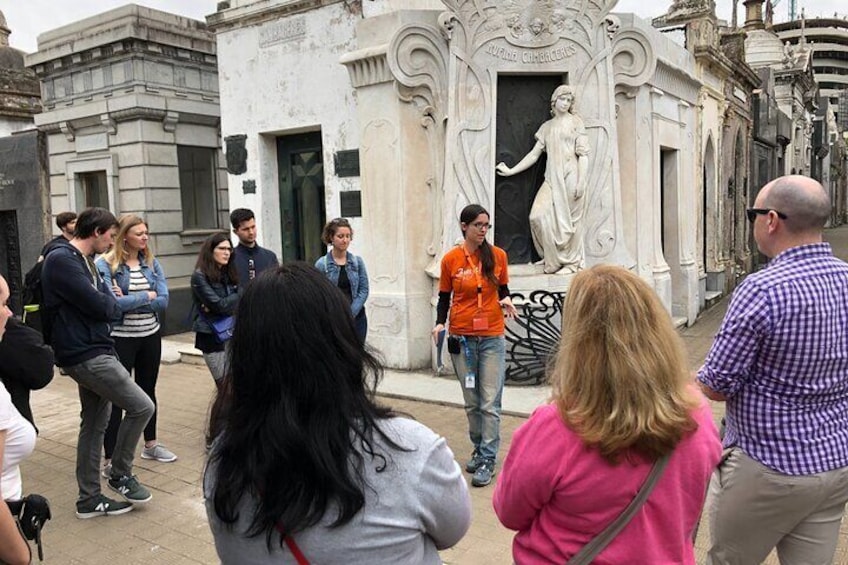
<point x="533" y="336"/>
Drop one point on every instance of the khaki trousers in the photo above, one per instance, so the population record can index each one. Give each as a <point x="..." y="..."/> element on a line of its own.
<point x="752" y="509"/>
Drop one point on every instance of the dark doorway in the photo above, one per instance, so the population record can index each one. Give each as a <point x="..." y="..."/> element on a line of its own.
<point x="10" y="258"/>
<point x="300" y="163"/>
<point x="93" y="190"/>
<point x="524" y="103"/>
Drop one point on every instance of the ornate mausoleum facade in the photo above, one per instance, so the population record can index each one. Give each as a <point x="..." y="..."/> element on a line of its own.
<point x="430" y="99"/>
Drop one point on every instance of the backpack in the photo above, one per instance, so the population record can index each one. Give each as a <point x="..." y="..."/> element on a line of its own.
<point x="32" y="293"/>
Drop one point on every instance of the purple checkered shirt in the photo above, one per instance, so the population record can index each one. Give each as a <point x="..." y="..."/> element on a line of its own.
<point x="781" y="358"/>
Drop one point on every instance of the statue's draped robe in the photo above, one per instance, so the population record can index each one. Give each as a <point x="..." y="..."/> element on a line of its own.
<point x="556" y="216"/>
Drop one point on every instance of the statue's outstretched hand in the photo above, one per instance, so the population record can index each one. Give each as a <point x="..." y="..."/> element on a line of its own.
<point x="503" y="170"/>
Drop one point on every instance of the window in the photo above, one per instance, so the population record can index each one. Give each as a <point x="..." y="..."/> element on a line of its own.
<point x="92" y="190"/>
<point x="198" y="189"/>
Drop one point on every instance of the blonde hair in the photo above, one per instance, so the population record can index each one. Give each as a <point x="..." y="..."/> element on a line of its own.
<point x="620" y="375"/>
<point x="119" y="253"/>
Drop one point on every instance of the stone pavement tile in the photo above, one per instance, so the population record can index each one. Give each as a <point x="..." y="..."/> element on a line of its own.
<point x="172" y="528"/>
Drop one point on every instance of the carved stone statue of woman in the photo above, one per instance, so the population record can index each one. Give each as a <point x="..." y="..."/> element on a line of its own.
<point x="557" y="211"/>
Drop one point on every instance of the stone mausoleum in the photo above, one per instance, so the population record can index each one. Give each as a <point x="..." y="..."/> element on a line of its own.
<point x="430" y="97"/>
<point x="132" y="122"/>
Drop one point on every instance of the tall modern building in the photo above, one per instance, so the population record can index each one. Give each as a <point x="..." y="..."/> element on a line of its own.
<point x="828" y="38"/>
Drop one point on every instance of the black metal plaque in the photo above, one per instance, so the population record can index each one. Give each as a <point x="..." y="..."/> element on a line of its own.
<point x="248" y="186"/>
<point x="236" y="154"/>
<point x="347" y="163"/>
<point x="351" y="203"/>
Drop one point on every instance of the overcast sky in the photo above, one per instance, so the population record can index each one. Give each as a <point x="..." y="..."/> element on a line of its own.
<point x="28" y="18"/>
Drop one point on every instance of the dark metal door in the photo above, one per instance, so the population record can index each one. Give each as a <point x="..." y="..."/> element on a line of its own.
<point x="301" y="168"/>
<point x="523" y="105"/>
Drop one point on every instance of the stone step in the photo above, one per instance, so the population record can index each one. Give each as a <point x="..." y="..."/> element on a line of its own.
<point x="711" y="297"/>
<point x="679" y="322"/>
<point x="190" y="355"/>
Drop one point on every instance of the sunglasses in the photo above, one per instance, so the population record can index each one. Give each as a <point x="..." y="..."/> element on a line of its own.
<point x="752" y="213"/>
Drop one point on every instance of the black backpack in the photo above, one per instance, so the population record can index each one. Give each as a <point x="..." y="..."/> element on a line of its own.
<point x="32" y="293"/>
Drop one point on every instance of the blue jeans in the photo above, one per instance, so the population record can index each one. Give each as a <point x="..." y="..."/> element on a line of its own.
<point x="483" y="402"/>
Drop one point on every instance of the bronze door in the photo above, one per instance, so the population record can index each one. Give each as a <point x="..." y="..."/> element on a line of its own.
<point x="523" y="105"/>
<point x="301" y="169"/>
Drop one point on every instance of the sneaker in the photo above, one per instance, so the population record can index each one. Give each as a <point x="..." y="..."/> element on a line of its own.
<point x="106" y="473"/>
<point x="102" y="506"/>
<point x="484" y="473"/>
<point x="130" y="489"/>
<point x="475" y="461"/>
<point x="158" y="453"/>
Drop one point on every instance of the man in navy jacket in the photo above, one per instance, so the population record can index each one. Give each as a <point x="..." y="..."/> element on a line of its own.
<point x="79" y="309"/>
<point x="250" y="258"/>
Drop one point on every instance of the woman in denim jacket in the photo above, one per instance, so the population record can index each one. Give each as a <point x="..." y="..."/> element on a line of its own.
<point x="215" y="294"/>
<point x="135" y="276"/>
<point x="346" y="271"/>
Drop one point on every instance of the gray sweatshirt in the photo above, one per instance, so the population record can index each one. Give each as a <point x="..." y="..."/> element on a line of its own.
<point x="416" y="506"/>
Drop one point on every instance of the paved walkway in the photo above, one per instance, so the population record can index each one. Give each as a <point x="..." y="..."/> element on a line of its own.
<point x="172" y="528"/>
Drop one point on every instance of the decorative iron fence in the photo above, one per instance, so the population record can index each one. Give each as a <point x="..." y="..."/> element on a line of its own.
<point x="533" y="336"/>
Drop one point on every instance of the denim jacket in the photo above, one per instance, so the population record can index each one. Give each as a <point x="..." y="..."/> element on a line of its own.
<point x="356" y="274"/>
<point x="137" y="301"/>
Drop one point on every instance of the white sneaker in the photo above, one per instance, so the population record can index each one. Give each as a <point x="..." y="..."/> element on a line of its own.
<point x="106" y="473"/>
<point x="158" y="453"/>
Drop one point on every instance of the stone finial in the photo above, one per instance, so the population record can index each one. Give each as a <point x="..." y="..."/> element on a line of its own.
<point x="754" y="14"/>
<point x="4" y="31"/>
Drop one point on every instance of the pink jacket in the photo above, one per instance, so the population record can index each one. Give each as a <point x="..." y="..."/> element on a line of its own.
<point x="558" y="494"/>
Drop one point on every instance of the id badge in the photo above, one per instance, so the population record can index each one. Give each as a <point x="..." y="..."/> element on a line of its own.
<point x="470" y="381"/>
<point x="480" y="322"/>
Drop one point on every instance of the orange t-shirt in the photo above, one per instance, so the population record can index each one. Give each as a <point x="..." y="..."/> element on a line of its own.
<point x="460" y="275"/>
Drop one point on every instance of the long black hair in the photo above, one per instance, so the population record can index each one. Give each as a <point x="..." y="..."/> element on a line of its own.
<point x="487" y="258"/>
<point x="297" y="416"/>
<point x="206" y="260"/>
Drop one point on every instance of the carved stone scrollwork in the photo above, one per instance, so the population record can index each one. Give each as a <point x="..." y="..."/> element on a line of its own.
<point x="613" y="25"/>
<point x="632" y="57"/>
<point x="418" y="59"/>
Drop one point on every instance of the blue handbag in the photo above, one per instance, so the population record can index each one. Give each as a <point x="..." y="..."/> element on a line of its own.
<point x="222" y="328"/>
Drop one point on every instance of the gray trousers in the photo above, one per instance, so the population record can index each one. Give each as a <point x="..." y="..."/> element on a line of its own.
<point x="103" y="381"/>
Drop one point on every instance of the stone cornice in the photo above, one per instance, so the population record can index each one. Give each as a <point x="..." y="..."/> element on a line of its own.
<point x="261" y="12"/>
<point x="119" y="51"/>
<point x="672" y="80"/>
<point x="368" y="66"/>
<point x="109" y="120"/>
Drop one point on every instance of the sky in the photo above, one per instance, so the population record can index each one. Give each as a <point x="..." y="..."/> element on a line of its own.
<point x="28" y="18"/>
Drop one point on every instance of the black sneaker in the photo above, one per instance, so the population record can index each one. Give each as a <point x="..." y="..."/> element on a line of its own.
<point x="484" y="473"/>
<point x="475" y="461"/>
<point x="102" y="506"/>
<point x="130" y="489"/>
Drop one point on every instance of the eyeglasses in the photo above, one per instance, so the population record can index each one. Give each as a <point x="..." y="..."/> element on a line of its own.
<point x="482" y="226"/>
<point x="752" y="213"/>
<point x="227" y="249"/>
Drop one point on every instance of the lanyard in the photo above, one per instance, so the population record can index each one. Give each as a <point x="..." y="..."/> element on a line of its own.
<point x="478" y="276"/>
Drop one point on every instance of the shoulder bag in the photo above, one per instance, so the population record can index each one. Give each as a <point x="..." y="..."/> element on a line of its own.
<point x="603" y="539"/>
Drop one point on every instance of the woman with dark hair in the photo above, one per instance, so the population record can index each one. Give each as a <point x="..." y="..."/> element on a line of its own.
<point x="622" y="400"/>
<point x="475" y="273"/>
<point x="134" y="274"/>
<point x="213" y="289"/>
<point x="305" y="462"/>
<point x="346" y="270"/>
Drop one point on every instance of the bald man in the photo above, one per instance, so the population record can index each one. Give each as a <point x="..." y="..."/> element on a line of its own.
<point x="780" y="361"/>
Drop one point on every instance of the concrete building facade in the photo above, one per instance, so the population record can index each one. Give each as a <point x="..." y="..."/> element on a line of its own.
<point x="133" y="125"/>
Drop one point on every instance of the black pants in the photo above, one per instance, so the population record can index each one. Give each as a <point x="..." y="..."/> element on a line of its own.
<point x="140" y="356"/>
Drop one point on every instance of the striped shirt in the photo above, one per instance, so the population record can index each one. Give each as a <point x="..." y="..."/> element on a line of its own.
<point x="137" y="324"/>
<point x="781" y="358"/>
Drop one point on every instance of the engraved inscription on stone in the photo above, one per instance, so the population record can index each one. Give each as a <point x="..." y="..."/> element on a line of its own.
<point x="531" y="56"/>
<point x="279" y="32"/>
